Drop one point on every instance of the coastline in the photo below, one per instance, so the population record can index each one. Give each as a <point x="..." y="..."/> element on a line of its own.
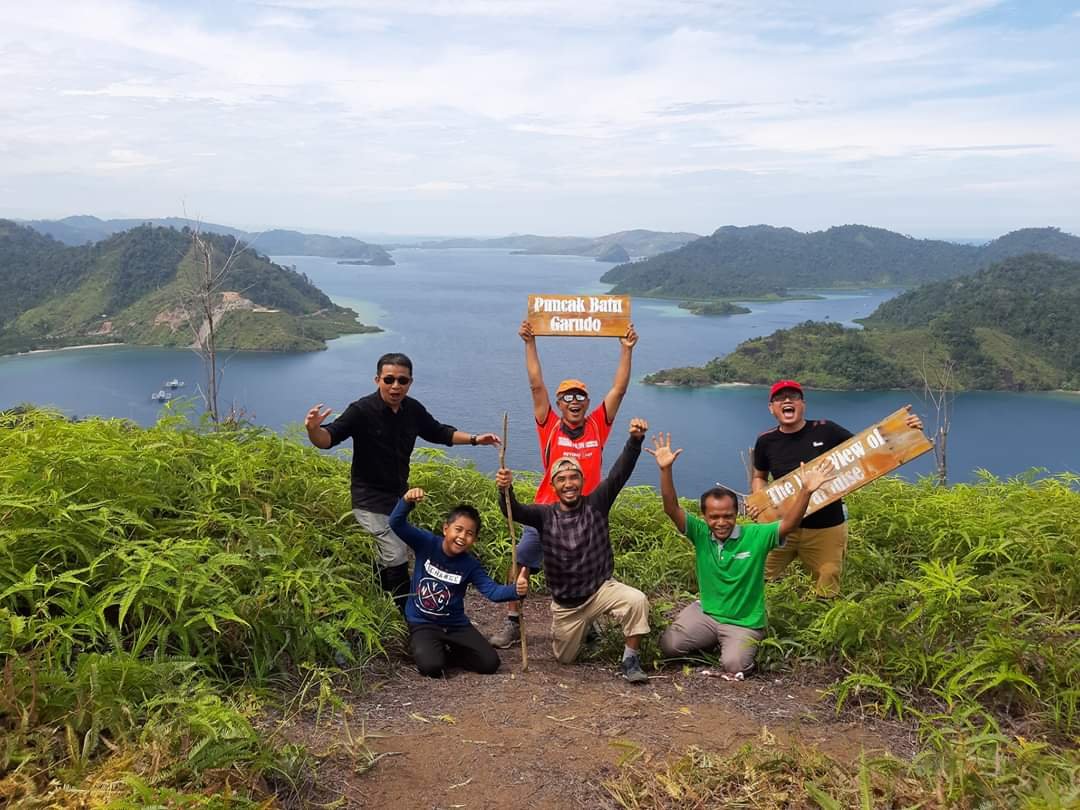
<point x="64" y="349"/>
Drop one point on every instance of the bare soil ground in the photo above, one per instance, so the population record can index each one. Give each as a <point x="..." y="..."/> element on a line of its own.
<point x="549" y="737"/>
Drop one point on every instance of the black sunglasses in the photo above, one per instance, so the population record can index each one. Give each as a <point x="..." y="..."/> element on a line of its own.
<point x="390" y="379"/>
<point x="573" y="397"/>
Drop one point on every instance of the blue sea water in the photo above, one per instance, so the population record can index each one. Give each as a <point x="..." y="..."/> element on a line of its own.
<point x="456" y="313"/>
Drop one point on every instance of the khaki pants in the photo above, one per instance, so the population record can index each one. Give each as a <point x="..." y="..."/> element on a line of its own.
<point x="696" y="630"/>
<point x="628" y="605"/>
<point x="820" y="550"/>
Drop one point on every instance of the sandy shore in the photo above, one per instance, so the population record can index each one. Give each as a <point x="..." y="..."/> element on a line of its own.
<point x="67" y="348"/>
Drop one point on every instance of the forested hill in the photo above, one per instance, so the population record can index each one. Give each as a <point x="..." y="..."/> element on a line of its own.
<point x="637" y="242"/>
<point x="82" y="230"/>
<point x="1013" y="326"/>
<point x="765" y="261"/>
<point x="134" y="287"/>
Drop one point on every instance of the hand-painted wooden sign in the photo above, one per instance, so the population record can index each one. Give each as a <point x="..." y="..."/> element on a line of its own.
<point x="579" y="315"/>
<point x="879" y="449"/>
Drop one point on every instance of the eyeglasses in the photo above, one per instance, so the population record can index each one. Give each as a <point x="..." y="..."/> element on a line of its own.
<point x="390" y="379"/>
<point x="786" y="398"/>
<point x="573" y="397"/>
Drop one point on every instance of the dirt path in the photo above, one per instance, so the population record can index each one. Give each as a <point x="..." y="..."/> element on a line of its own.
<point x="549" y="737"/>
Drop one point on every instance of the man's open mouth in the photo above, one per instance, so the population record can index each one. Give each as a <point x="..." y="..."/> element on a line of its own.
<point x="788" y="410"/>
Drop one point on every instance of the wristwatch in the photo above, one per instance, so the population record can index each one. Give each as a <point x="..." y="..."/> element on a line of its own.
<point x="472" y="440"/>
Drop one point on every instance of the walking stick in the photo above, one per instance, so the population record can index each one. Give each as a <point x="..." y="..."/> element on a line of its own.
<point x="513" y="551"/>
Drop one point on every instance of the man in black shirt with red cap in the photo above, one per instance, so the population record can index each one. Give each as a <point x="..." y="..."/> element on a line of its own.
<point x="821" y="539"/>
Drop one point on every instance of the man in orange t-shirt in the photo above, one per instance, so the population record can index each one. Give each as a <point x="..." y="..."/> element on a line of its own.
<point x="574" y="432"/>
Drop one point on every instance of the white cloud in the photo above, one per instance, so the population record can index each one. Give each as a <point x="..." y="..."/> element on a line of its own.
<point x="484" y="99"/>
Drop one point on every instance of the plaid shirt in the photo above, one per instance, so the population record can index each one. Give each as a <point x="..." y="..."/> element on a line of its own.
<point x="576" y="542"/>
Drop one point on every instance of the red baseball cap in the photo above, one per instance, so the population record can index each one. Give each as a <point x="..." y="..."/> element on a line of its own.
<point x="780" y="385"/>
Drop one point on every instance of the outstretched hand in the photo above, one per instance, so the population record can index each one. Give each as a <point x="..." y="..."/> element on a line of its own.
<point x="813" y="478"/>
<point x="662" y="452"/>
<point x="414" y="495"/>
<point x="638" y="427"/>
<point x="487" y="438"/>
<point x="504" y="478"/>
<point x="525" y="332"/>
<point x="522" y="581"/>
<point x="315" y="416"/>
<point x="630" y="339"/>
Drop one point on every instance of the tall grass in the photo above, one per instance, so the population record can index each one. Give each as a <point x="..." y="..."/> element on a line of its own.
<point x="150" y="579"/>
<point x="142" y="571"/>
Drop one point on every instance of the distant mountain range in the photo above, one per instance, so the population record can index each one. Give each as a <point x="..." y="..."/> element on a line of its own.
<point x="1013" y="326"/>
<point x="132" y="287"/>
<point x="763" y="261"/>
<point x="604" y="248"/>
<point x="82" y="230"/>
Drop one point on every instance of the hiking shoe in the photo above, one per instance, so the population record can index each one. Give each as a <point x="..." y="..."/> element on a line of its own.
<point x="506" y="636"/>
<point x="632" y="671"/>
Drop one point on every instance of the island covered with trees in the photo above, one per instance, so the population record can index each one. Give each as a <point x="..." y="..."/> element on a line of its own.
<point x="1014" y="326"/>
<point x="763" y="261"/>
<point x="140" y="287"/>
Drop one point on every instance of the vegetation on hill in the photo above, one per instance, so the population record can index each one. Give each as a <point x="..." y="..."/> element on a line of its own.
<point x="763" y="260"/>
<point x="82" y="230"/>
<point x="134" y="287"/>
<point x="170" y="597"/>
<point x="1014" y="326"/>
<point x="637" y="242"/>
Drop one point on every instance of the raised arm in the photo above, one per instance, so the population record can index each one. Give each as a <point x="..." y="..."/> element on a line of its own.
<point x="417" y="539"/>
<point x="614" y="397"/>
<point x="813" y="478"/>
<point x="665" y="459"/>
<point x="607" y="490"/>
<point x="540" y="396"/>
<point x="316" y="433"/>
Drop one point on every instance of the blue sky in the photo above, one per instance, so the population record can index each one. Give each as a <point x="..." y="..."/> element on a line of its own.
<point x="548" y="116"/>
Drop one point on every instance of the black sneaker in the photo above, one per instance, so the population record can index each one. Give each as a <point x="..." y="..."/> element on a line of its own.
<point x="632" y="671"/>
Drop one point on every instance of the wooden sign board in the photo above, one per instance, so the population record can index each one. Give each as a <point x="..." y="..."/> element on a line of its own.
<point x="579" y="315"/>
<point x="878" y="450"/>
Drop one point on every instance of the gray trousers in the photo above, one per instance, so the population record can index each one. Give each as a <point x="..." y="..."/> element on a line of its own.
<point x="695" y="630"/>
<point x="390" y="550"/>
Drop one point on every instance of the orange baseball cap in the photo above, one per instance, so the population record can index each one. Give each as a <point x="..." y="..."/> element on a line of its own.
<point x="571" y="385"/>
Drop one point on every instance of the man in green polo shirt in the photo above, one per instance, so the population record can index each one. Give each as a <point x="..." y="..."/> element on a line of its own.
<point x="730" y="566"/>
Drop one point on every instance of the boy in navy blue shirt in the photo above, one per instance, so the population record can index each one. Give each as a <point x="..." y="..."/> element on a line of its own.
<point x="440" y="634"/>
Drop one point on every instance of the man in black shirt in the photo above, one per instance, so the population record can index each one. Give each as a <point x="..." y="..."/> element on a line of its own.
<point x="384" y="427"/>
<point x="821" y="539"/>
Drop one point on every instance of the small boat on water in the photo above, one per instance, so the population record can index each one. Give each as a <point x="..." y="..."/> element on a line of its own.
<point x="161" y="396"/>
<point x="174" y="383"/>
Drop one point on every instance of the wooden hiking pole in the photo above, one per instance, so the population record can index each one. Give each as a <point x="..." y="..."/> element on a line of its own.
<point x="513" y="551"/>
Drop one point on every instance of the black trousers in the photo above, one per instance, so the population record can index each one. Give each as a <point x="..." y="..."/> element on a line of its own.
<point x="436" y="648"/>
<point x="395" y="581"/>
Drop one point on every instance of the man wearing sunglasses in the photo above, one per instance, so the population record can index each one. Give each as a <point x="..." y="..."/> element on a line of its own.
<point x="574" y="433"/>
<point x="384" y="427"/>
<point x="821" y="539"/>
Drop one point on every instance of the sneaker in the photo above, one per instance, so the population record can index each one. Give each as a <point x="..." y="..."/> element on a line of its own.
<point x="632" y="671"/>
<point x="507" y="635"/>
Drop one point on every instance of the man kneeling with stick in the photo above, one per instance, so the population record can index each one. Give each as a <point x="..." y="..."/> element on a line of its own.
<point x="578" y="559"/>
<point x="730" y="566"/>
